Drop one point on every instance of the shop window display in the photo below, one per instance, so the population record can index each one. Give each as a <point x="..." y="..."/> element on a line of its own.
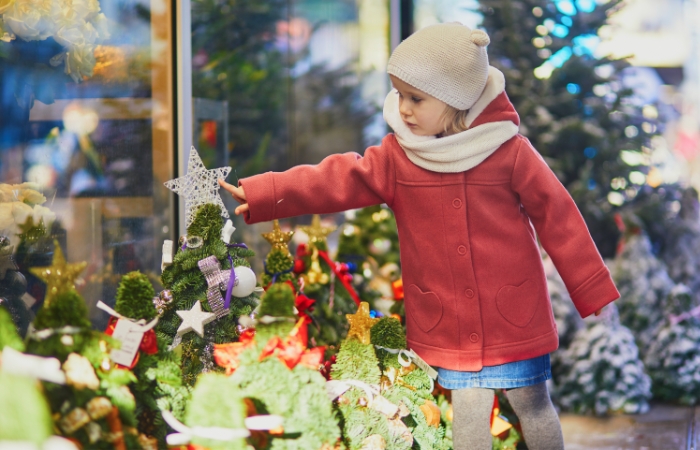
<point x="86" y="126"/>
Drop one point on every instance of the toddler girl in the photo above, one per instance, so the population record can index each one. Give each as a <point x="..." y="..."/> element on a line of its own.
<point x="471" y="196"/>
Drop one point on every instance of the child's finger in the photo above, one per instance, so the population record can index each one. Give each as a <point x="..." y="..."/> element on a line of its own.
<point x="236" y="192"/>
<point x="242" y="209"/>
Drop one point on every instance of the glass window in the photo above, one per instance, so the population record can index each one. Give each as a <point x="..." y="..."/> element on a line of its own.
<point x="86" y="117"/>
<point x="279" y="83"/>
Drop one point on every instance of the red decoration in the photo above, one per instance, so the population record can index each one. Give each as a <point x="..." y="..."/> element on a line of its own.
<point x="397" y="287"/>
<point x="299" y="266"/>
<point x="226" y="355"/>
<point x="149" y="342"/>
<point x="326" y="370"/>
<point x="291" y="350"/>
<point x="342" y="273"/>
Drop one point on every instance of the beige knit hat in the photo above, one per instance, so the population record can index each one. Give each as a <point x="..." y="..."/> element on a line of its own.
<point x="447" y="61"/>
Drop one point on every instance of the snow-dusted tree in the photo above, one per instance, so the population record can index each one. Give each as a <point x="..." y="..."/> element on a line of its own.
<point x="681" y="251"/>
<point x="644" y="284"/>
<point x="601" y="371"/>
<point x="673" y="357"/>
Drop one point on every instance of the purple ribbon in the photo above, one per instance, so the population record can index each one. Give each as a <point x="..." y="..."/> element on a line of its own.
<point x="211" y="269"/>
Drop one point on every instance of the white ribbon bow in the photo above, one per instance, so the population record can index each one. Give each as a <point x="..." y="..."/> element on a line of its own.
<point x="140" y="325"/>
<point x="336" y="388"/>
<point x="185" y="434"/>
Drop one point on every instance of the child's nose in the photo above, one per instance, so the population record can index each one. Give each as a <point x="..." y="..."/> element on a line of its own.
<point x="404" y="110"/>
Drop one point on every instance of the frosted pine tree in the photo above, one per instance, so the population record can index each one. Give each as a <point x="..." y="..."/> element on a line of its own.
<point x="601" y="371"/>
<point x="673" y="358"/>
<point x="682" y="250"/>
<point x="644" y="283"/>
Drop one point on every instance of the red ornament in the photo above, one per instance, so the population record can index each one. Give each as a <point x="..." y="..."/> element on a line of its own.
<point x="299" y="266"/>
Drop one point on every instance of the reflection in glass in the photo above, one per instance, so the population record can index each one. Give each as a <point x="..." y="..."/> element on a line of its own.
<point x="90" y="125"/>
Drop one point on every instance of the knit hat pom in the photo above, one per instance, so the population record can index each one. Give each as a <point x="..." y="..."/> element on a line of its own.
<point x="480" y="38"/>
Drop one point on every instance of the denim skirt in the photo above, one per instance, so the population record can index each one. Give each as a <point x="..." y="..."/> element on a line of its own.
<point x="506" y="376"/>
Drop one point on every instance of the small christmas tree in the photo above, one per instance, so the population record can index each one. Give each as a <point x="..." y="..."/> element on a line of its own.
<point x="643" y="283"/>
<point x="280" y="376"/>
<point x="405" y="384"/>
<point x="673" y="357"/>
<point x="216" y="403"/>
<point x="330" y="294"/>
<point x="157" y="370"/>
<point x="95" y="406"/>
<point x="368" y="417"/>
<point x="192" y="312"/>
<point x="601" y="371"/>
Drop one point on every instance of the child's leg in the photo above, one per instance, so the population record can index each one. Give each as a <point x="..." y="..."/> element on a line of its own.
<point x="471" y="426"/>
<point x="540" y="422"/>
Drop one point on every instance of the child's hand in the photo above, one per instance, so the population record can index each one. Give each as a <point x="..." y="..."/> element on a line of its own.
<point x="238" y="194"/>
<point x="597" y="313"/>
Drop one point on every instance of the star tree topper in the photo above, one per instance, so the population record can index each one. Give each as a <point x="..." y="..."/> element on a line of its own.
<point x="278" y="238"/>
<point x="194" y="320"/>
<point x="60" y="276"/>
<point x="360" y="323"/>
<point x="199" y="186"/>
<point x="316" y="232"/>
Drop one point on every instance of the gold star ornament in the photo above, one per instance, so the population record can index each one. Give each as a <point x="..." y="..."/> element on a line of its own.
<point x="60" y="276"/>
<point x="277" y="238"/>
<point x="360" y="323"/>
<point x="316" y="232"/>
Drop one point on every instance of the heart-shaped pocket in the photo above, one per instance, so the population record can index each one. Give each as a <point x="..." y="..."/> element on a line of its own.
<point x="517" y="304"/>
<point x="425" y="308"/>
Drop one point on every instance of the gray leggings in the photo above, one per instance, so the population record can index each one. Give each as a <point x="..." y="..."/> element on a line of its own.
<point x="472" y="413"/>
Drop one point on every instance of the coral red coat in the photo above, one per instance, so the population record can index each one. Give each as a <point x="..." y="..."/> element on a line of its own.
<point x="475" y="289"/>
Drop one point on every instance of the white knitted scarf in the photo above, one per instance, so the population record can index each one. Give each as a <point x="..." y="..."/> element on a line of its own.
<point x="457" y="152"/>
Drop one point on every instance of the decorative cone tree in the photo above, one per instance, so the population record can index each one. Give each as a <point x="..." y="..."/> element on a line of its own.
<point x="272" y="367"/>
<point x="95" y="406"/>
<point x="329" y="284"/>
<point x="404" y="384"/>
<point x="601" y="371"/>
<point x="573" y="107"/>
<point x="368" y="418"/>
<point x="157" y="370"/>
<point x="191" y="318"/>
<point x="673" y="357"/>
<point x="195" y="314"/>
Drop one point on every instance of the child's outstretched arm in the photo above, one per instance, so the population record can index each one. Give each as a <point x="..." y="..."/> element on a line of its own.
<point x="238" y="194"/>
<point x="338" y="183"/>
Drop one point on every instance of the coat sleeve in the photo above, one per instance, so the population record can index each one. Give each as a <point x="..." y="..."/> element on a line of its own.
<point x="562" y="231"/>
<point x="338" y="183"/>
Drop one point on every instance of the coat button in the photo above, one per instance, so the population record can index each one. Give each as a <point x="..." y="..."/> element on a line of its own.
<point x="469" y="293"/>
<point x="474" y="337"/>
<point x="462" y="250"/>
<point x="457" y="203"/>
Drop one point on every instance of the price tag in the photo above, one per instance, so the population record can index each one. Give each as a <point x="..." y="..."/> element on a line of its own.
<point x="432" y="373"/>
<point x="130" y="335"/>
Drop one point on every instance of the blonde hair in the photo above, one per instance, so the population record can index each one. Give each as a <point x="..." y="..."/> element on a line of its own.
<point x="454" y="121"/>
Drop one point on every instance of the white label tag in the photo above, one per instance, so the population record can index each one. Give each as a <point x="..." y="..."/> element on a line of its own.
<point x="130" y="335"/>
<point x="432" y="373"/>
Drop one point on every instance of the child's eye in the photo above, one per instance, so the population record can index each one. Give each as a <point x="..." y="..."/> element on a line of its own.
<point x="416" y="99"/>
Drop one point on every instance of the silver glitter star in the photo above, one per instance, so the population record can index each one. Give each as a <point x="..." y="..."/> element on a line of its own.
<point x="199" y="186"/>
